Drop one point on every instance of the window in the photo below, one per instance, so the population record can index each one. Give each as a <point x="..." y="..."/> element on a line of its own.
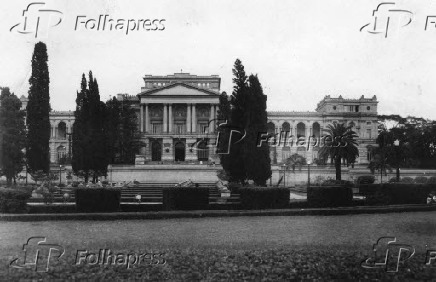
<point x="356" y="109"/>
<point x="204" y="128"/>
<point x="368" y="123"/>
<point x="368" y="133"/>
<point x="157" y="128"/>
<point x="334" y="108"/>
<point x="180" y="128"/>
<point x="368" y="108"/>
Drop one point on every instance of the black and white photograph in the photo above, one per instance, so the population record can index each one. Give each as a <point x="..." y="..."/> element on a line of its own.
<point x="217" y="140"/>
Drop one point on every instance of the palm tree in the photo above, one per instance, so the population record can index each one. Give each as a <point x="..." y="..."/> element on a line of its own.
<point x="339" y="144"/>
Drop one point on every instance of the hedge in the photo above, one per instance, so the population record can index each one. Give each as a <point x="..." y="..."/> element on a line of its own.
<point x="399" y="193"/>
<point x="329" y="196"/>
<point x="97" y="199"/>
<point x="366" y="179"/>
<point x="185" y="198"/>
<point x="13" y="200"/>
<point x="431" y="180"/>
<point x="264" y="198"/>
<point x="420" y="179"/>
<point x="333" y="182"/>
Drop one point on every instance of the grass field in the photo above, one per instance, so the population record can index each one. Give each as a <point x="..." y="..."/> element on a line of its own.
<point x="238" y="248"/>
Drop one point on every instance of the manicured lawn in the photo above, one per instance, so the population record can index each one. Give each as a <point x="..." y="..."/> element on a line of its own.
<point x="238" y="248"/>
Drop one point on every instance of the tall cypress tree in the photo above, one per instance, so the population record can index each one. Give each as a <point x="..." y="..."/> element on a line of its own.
<point x="13" y="138"/>
<point x="233" y="162"/>
<point x="90" y="148"/>
<point x="98" y="142"/>
<point x="245" y="161"/>
<point x="38" y="111"/>
<point x="80" y="139"/>
<point x="257" y="161"/>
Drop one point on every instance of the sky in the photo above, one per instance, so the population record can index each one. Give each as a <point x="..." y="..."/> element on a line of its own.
<point x="300" y="50"/>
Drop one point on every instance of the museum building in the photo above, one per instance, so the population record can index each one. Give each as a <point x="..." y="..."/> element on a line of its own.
<point x="177" y="120"/>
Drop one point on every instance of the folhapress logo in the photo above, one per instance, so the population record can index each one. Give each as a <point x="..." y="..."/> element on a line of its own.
<point x="388" y="254"/>
<point x="37" y="20"/>
<point x="38" y="254"/>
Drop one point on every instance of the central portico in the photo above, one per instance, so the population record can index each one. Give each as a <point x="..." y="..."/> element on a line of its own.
<point x="177" y="114"/>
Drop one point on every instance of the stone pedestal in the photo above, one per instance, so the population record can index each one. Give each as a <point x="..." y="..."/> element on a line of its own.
<point x="139" y="159"/>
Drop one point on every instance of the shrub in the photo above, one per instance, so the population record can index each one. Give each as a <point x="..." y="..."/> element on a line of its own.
<point x="393" y="180"/>
<point x="185" y="198"/>
<point x="334" y="182"/>
<point x="319" y="180"/>
<point x="234" y="187"/>
<point x="13" y="200"/>
<point x="75" y="184"/>
<point x="366" y="179"/>
<point x="406" y="180"/>
<point x="420" y="179"/>
<point x="431" y="180"/>
<point x="62" y="185"/>
<point x="97" y="199"/>
<point x="399" y="193"/>
<point x="329" y="196"/>
<point x="264" y="198"/>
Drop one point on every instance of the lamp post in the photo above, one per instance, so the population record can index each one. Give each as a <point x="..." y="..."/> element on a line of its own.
<point x="284" y="175"/>
<point x="308" y="174"/>
<point x="397" y="146"/>
<point x="60" y="176"/>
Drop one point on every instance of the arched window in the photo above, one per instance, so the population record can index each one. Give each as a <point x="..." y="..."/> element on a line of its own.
<point x="301" y="130"/>
<point x="271" y="128"/>
<point x="62" y="130"/>
<point x="202" y="151"/>
<point x="316" y="128"/>
<point x="286" y="127"/>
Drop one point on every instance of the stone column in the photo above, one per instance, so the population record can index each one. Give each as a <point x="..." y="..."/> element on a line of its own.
<point x="147" y="119"/>
<point x="171" y="122"/>
<point x="165" y="118"/>
<point x="194" y="119"/>
<point x="188" y="118"/>
<point x="212" y="117"/>
<point x="141" y="110"/>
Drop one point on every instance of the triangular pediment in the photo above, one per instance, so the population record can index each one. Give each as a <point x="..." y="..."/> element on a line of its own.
<point x="178" y="89"/>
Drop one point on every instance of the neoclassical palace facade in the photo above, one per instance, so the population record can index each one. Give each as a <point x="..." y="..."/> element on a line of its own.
<point x="177" y="113"/>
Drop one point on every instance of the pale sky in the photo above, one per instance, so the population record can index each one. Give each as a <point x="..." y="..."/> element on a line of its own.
<point x="301" y="50"/>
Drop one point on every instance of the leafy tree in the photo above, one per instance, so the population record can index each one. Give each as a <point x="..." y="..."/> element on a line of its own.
<point x="38" y="110"/>
<point x="122" y="133"/>
<point x="340" y="145"/>
<point x="295" y="160"/>
<point x="13" y="139"/>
